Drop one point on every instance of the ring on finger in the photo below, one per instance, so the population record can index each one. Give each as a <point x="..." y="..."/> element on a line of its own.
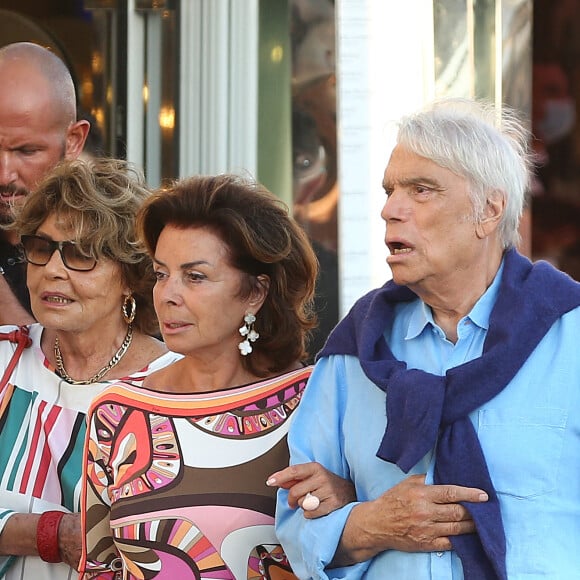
<point x="310" y="502"/>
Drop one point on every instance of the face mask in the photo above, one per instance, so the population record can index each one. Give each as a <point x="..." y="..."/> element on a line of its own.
<point x="558" y="120"/>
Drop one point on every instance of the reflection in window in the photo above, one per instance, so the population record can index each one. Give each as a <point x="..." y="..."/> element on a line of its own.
<point x="464" y="35"/>
<point x="161" y="40"/>
<point x="315" y="187"/>
<point x="556" y="129"/>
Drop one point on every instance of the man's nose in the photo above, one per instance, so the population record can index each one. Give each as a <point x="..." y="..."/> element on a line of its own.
<point x="393" y="207"/>
<point x="8" y="173"/>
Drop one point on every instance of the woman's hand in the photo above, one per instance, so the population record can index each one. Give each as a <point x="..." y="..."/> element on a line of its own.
<point x="331" y="490"/>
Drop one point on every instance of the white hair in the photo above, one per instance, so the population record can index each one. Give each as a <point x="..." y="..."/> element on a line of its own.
<point x="474" y="140"/>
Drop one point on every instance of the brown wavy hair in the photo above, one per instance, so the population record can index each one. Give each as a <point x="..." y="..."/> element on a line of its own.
<point x="99" y="200"/>
<point x="261" y="238"/>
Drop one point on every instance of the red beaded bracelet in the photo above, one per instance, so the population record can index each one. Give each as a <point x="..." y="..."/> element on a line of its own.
<point x="47" y="536"/>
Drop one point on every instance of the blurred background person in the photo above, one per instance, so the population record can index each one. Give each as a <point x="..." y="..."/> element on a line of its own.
<point x="38" y="128"/>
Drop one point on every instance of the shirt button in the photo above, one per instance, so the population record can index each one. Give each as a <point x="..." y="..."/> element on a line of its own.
<point x="439" y="554"/>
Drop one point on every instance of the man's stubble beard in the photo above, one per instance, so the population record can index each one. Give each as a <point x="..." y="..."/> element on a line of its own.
<point x="7" y="206"/>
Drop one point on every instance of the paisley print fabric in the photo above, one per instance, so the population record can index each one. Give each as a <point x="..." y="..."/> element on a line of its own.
<point x="175" y="484"/>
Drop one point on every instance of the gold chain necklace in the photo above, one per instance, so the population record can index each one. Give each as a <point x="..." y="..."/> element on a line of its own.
<point x="95" y="378"/>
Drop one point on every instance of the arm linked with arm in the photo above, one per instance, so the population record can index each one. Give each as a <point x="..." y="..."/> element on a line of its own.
<point x="316" y="435"/>
<point x="339" y="424"/>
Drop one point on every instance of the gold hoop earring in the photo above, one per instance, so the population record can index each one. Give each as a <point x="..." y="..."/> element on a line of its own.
<point x="129" y="309"/>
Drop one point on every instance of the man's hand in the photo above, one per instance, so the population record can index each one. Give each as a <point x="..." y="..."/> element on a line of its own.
<point x="409" y="517"/>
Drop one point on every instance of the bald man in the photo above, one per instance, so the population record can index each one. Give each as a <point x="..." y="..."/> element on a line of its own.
<point x="38" y="128"/>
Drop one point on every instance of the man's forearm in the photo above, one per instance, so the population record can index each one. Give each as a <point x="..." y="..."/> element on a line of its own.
<point x="356" y="543"/>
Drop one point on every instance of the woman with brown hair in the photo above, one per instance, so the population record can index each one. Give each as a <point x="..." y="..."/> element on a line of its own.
<point x="176" y="471"/>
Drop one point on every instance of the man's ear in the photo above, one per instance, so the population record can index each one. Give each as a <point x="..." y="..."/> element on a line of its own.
<point x="491" y="215"/>
<point x="76" y="136"/>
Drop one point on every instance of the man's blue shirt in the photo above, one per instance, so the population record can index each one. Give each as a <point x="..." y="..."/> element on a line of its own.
<point x="529" y="433"/>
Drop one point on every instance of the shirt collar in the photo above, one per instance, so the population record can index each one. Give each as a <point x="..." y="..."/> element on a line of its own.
<point x="421" y="314"/>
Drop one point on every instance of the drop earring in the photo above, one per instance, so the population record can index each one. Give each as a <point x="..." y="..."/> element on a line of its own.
<point x="249" y="334"/>
<point x="129" y="309"/>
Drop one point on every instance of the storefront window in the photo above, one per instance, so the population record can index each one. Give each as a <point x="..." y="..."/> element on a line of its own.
<point x="83" y="43"/>
<point x="314" y="145"/>
<point x="465" y="49"/>
<point x="160" y="91"/>
<point x="556" y="126"/>
<point x="92" y="37"/>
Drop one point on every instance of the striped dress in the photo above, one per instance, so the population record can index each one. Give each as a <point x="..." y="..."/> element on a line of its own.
<point x="42" y="432"/>
<point x="176" y="483"/>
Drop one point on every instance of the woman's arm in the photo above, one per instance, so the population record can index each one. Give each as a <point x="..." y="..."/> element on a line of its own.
<point x="19" y="537"/>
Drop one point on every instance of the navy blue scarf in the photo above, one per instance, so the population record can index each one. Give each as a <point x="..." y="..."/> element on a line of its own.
<point x="425" y="410"/>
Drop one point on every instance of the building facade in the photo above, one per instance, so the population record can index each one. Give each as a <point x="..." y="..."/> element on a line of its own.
<point x="300" y="94"/>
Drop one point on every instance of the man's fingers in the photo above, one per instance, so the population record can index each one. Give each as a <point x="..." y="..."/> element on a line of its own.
<point x="456" y="494"/>
<point x="452" y="512"/>
<point x="449" y="528"/>
<point x="463" y="527"/>
<point x="441" y="493"/>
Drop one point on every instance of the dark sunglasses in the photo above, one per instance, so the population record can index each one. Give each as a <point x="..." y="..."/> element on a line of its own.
<point x="39" y="250"/>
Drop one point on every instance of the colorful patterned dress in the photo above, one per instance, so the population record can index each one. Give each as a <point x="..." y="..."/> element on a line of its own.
<point x="42" y="433"/>
<point x="175" y="483"/>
